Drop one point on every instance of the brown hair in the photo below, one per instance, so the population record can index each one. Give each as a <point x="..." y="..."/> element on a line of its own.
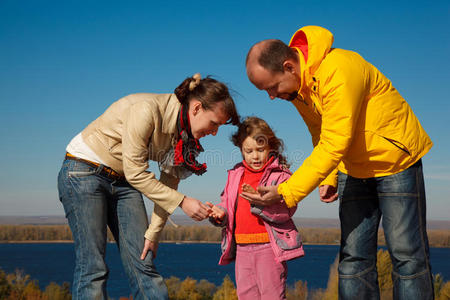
<point x="259" y="130"/>
<point x="273" y="54"/>
<point x="209" y="92"/>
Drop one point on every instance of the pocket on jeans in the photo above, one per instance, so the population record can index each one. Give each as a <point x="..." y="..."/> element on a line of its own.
<point x="80" y="173"/>
<point x="83" y="182"/>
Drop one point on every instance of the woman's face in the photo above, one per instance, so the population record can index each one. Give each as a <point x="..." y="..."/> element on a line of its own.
<point x="205" y="122"/>
<point x="255" y="155"/>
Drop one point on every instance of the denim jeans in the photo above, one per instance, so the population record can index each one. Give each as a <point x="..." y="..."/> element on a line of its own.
<point x="91" y="203"/>
<point x="400" y="200"/>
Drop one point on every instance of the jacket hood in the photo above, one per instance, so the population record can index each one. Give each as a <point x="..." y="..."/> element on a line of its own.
<point x="313" y="43"/>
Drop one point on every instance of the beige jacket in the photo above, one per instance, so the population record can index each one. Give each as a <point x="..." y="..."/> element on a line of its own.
<point x="132" y="131"/>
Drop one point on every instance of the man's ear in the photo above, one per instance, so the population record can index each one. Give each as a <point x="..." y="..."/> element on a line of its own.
<point x="289" y="66"/>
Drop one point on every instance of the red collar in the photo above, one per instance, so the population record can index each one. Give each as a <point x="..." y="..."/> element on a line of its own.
<point x="268" y="162"/>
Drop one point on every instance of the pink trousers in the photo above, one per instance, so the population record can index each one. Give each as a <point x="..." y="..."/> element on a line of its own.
<point x="258" y="274"/>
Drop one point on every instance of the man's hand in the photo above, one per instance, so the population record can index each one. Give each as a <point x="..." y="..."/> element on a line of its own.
<point x="267" y="195"/>
<point x="149" y="246"/>
<point x="194" y="208"/>
<point x="328" y="193"/>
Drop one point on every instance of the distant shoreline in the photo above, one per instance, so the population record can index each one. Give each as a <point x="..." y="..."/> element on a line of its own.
<point x="188" y="234"/>
<point x="164" y="242"/>
<point x="185" y="220"/>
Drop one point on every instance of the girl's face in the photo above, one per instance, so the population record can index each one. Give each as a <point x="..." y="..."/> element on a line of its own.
<point x="255" y="155"/>
<point x="205" y="121"/>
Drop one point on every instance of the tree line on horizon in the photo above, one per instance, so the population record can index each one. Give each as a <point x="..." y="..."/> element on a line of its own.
<point x="19" y="286"/>
<point x="192" y="233"/>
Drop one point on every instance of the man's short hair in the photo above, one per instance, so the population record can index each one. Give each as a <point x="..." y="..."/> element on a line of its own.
<point x="274" y="54"/>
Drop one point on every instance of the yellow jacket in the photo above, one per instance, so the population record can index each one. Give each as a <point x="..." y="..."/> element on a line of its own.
<point x="358" y="121"/>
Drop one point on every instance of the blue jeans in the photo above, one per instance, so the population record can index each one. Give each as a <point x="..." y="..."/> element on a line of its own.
<point x="91" y="203"/>
<point x="400" y="199"/>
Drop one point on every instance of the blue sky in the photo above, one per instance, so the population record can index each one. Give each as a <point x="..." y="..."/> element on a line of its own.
<point x="62" y="63"/>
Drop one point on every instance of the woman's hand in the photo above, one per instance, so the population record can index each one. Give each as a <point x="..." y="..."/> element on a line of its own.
<point x="267" y="195"/>
<point x="194" y="208"/>
<point x="327" y="193"/>
<point x="149" y="246"/>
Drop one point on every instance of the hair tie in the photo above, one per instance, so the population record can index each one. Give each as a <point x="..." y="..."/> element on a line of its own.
<point x="195" y="81"/>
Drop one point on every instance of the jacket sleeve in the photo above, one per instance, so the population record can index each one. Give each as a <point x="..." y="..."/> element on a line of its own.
<point x="283" y="178"/>
<point x="137" y="131"/>
<point x="159" y="216"/>
<point x="315" y="135"/>
<point x="342" y="91"/>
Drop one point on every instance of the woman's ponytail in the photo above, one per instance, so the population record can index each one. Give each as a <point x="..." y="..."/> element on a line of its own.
<point x="209" y="92"/>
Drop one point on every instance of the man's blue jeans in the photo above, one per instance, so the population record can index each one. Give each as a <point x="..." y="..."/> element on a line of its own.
<point x="91" y="203"/>
<point x="400" y="199"/>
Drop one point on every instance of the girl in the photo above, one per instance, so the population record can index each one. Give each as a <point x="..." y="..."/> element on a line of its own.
<point x="260" y="239"/>
<point x="104" y="175"/>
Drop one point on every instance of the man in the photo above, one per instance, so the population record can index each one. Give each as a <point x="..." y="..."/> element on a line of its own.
<point x="365" y="131"/>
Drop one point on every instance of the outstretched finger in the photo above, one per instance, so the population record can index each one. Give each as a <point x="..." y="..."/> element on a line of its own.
<point x="204" y="206"/>
<point x="203" y="209"/>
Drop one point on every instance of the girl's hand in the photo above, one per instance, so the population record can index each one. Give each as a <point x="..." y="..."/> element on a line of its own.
<point x="149" y="246"/>
<point x="216" y="212"/>
<point x="248" y="188"/>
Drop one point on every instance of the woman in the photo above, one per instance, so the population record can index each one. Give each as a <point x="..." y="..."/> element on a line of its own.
<point x="104" y="175"/>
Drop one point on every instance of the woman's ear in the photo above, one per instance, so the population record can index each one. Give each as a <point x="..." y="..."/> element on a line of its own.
<point x="196" y="106"/>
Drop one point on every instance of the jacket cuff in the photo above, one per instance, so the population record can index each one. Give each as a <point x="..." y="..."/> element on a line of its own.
<point x="283" y="189"/>
<point x="331" y="179"/>
<point x="170" y="208"/>
<point x="152" y="235"/>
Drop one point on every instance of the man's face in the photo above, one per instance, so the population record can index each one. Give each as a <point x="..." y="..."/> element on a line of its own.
<point x="283" y="85"/>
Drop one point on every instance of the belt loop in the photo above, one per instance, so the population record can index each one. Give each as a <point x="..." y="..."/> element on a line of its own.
<point x="99" y="169"/>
